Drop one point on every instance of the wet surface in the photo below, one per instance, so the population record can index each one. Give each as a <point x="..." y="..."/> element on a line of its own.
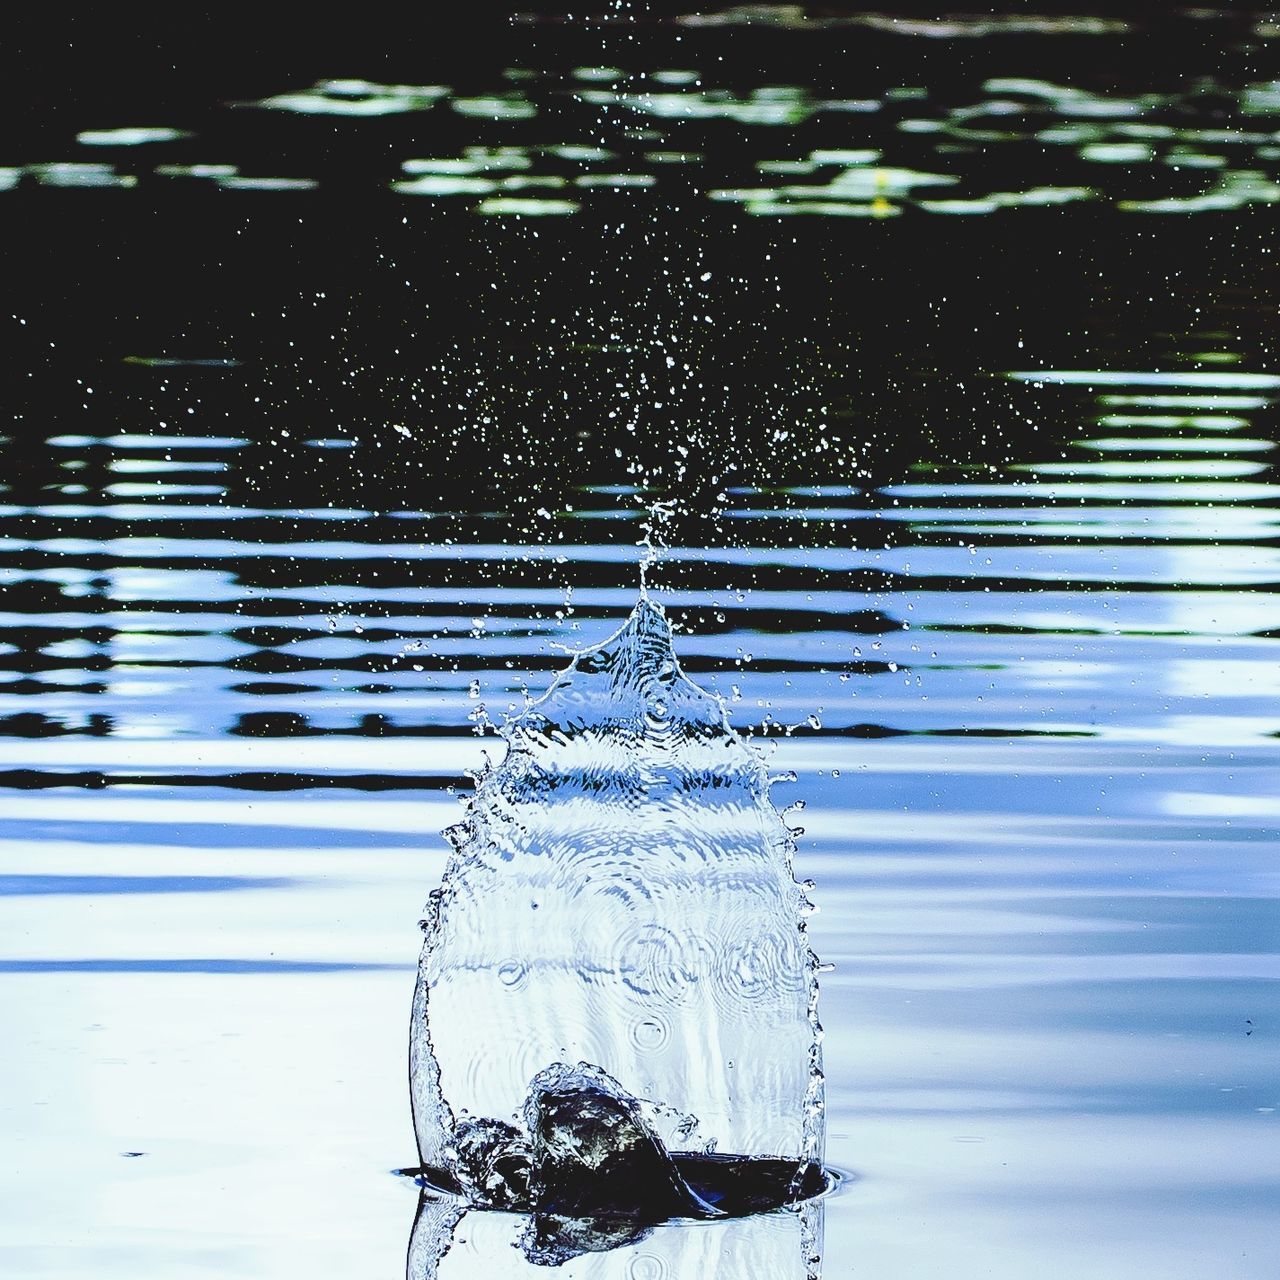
<point x="309" y="454"/>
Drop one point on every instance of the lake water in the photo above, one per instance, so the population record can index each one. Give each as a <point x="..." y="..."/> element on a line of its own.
<point x="339" y="379"/>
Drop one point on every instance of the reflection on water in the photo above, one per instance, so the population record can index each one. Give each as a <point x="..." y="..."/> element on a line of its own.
<point x="449" y="1243"/>
<point x="982" y="536"/>
<point x="1028" y="112"/>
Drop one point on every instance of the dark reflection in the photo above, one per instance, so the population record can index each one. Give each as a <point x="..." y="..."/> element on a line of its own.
<point x="776" y="110"/>
<point x="449" y="1242"/>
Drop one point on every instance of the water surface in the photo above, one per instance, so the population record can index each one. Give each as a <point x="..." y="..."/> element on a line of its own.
<point x="317" y="443"/>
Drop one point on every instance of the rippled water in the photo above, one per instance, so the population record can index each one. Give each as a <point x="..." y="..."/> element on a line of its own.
<point x="978" y="523"/>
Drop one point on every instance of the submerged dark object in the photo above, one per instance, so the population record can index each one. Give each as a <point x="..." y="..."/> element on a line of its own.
<point x="739" y="1185"/>
<point x="593" y="1154"/>
<point x="593" y="1165"/>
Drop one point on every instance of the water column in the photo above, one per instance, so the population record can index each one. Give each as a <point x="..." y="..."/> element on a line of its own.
<point x="616" y="977"/>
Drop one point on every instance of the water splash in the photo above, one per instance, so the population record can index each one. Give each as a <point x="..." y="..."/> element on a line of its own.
<point x="654" y="542"/>
<point x="616" y="1007"/>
